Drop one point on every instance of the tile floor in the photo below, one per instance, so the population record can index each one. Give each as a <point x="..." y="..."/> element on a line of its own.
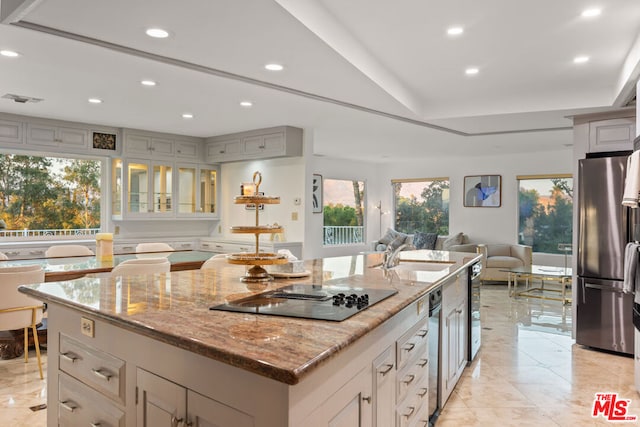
<point x="529" y="372"/>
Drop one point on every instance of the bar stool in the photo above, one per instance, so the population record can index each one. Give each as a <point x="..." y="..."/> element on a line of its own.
<point x="57" y="251"/>
<point x="17" y="310"/>
<point x="141" y="266"/>
<point x="154" y="247"/>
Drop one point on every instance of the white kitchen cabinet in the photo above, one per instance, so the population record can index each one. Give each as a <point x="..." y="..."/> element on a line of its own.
<point x="149" y="189"/>
<point x="80" y="405"/>
<point x="350" y="406"/>
<point x="612" y="135"/>
<point x="384" y="394"/>
<point x="198" y="191"/>
<point x="57" y="136"/>
<point x="283" y="141"/>
<point x="164" y="403"/>
<point x="148" y="147"/>
<point x="11" y="132"/>
<point x="453" y="356"/>
<point x="187" y="150"/>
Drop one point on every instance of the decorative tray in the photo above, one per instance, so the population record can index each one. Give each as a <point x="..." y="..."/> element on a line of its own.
<point x="256" y="199"/>
<point x="251" y="229"/>
<point x="297" y="275"/>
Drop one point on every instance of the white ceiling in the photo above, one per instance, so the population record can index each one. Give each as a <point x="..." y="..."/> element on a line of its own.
<point x="372" y="79"/>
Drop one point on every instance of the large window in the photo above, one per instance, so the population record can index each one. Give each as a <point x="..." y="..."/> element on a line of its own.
<point x="343" y="209"/>
<point x="545" y="212"/>
<point x="421" y="205"/>
<point x="49" y="196"/>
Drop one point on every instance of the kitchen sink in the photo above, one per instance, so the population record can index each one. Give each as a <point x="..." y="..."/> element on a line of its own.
<point x="420" y="266"/>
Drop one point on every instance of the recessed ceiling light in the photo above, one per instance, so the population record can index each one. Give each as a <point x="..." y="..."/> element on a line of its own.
<point x="95" y="100"/>
<point x="580" y="59"/>
<point x="274" y="67"/>
<point x="158" y="33"/>
<point x="246" y="104"/>
<point x="9" y="53"/>
<point x="148" y="83"/>
<point x="471" y="71"/>
<point x="455" y="31"/>
<point x="590" y="13"/>
<point x="187" y="116"/>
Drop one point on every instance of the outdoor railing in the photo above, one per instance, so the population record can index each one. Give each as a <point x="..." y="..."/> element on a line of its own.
<point x="60" y="232"/>
<point x="343" y="235"/>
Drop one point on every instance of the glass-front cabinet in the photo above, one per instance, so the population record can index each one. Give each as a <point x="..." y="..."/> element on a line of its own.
<point x="198" y="191"/>
<point x="150" y="189"/>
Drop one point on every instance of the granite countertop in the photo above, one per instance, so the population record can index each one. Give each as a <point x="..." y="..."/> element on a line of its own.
<point x="174" y="308"/>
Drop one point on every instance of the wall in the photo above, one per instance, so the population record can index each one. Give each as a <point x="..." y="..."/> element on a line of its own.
<point x="483" y="225"/>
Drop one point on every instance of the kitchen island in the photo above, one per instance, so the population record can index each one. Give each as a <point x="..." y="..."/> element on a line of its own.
<point x="148" y="351"/>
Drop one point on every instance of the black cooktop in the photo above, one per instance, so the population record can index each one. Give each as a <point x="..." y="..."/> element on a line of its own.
<point x="324" y="302"/>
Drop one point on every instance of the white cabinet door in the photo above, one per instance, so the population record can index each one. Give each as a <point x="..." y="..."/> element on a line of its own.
<point x="137" y="144"/>
<point x="161" y="147"/>
<point x="350" y="406"/>
<point x="11" y="132"/>
<point x="384" y="388"/>
<point x="186" y="150"/>
<point x="205" y="412"/>
<point x="221" y="151"/>
<point x="265" y="145"/>
<point x="160" y="402"/>
<point x="52" y="136"/>
<point x="612" y="135"/>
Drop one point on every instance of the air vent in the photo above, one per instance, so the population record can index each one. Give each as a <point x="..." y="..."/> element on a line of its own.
<point x="21" y="98"/>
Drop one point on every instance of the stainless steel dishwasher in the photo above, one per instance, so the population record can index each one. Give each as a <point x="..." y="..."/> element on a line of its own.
<point x="474" y="326"/>
<point x="435" y="301"/>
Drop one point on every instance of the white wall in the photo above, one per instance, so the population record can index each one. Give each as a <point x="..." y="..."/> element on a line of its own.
<point x="483" y="225"/>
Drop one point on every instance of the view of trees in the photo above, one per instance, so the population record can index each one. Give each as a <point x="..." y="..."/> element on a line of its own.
<point x="49" y="193"/>
<point x="343" y="212"/>
<point x="546" y="221"/>
<point x="429" y="213"/>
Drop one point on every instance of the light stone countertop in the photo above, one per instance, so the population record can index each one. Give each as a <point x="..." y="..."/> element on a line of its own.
<point x="174" y="308"/>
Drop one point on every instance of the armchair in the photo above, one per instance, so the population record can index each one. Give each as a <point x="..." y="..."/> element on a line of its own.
<point x="498" y="257"/>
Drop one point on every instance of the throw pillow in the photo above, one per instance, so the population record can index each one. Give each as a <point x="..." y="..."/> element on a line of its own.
<point x="397" y="242"/>
<point x="424" y="240"/>
<point x="390" y="236"/>
<point x="456" y="239"/>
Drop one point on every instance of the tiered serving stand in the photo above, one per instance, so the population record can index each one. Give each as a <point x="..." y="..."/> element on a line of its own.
<point x="257" y="273"/>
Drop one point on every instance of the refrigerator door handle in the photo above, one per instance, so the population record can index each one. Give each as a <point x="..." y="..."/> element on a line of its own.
<point x="602" y="288"/>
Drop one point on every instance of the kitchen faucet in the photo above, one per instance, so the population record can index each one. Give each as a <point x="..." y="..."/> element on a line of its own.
<point x="390" y="258"/>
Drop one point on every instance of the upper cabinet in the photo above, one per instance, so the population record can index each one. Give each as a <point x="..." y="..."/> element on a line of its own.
<point x="152" y="145"/>
<point x="283" y="141"/>
<point x="11" y="132"/>
<point x="57" y="136"/>
<point x="612" y="135"/>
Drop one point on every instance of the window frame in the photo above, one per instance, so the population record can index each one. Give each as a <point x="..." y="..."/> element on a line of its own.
<point x="363" y="201"/>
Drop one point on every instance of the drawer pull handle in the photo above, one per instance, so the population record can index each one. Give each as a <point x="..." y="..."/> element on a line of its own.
<point x="68" y="356"/>
<point x="423" y="362"/>
<point x="95" y="424"/>
<point x="412" y="409"/>
<point x="422" y="392"/>
<point x="98" y="373"/>
<point x="386" y="371"/>
<point x="409" y="379"/>
<point x="409" y="347"/>
<point x="366" y="399"/>
<point x="175" y="421"/>
<point x="67" y="404"/>
<point x="422" y="333"/>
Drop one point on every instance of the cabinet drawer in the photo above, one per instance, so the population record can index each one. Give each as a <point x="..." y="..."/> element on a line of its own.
<point x="125" y="248"/>
<point x="414" y="373"/>
<point x="414" y="411"/>
<point x="412" y="342"/>
<point x="183" y="246"/>
<point x="79" y="405"/>
<point x="96" y="368"/>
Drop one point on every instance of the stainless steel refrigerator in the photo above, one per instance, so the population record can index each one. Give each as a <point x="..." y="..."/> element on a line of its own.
<point x="604" y="313"/>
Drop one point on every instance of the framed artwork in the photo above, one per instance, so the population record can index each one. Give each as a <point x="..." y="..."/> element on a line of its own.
<point x="316" y="193"/>
<point x="104" y="141"/>
<point x="483" y="191"/>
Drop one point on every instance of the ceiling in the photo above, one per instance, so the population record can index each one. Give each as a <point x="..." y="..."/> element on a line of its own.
<point x="368" y="79"/>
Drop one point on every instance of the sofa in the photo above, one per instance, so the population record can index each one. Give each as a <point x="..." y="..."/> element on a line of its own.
<point x="458" y="242"/>
<point x="498" y="257"/>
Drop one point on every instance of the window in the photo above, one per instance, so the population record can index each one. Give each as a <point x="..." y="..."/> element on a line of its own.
<point x="421" y="205"/>
<point x="545" y="212"/>
<point x="343" y="210"/>
<point x="49" y="196"/>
